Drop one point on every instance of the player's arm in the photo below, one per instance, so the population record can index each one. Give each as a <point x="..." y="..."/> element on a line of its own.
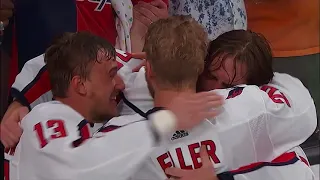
<point x="60" y="147"/>
<point x="116" y="154"/>
<point x="278" y="120"/>
<point x="10" y="128"/>
<point x="123" y="151"/>
<point x="287" y="167"/>
<point x="32" y="84"/>
<point x="291" y="114"/>
<point x="27" y="91"/>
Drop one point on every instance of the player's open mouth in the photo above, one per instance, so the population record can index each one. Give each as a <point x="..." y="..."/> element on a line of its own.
<point x="119" y="97"/>
<point x="116" y="97"/>
<point x="113" y="101"/>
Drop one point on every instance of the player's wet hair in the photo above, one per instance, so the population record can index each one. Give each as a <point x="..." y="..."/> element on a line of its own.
<point x="74" y="54"/>
<point x="246" y="47"/>
<point x="176" y="48"/>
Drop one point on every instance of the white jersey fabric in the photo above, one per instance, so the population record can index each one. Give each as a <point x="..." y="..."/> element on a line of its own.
<point x="137" y="98"/>
<point x="57" y="144"/>
<point x="256" y="124"/>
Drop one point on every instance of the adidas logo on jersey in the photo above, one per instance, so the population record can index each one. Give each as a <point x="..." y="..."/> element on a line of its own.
<point x="179" y="134"/>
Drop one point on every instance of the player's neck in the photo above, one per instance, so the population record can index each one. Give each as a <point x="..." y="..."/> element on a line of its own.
<point x="77" y="106"/>
<point x="163" y="98"/>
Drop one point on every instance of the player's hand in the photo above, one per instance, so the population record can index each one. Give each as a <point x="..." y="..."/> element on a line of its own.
<point x="143" y="15"/>
<point x="142" y="56"/>
<point x="192" y="109"/>
<point x="10" y="127"/>
<point x="206" y="172"/>
<point x="6" y="11"/>
<point x="147" y="13"/>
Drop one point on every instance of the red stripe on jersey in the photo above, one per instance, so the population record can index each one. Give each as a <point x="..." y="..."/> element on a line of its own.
<point x="125" y="58"/>
<point x="109" y="128"/>
<point x="39" y="88"/>
<point x="119" y="65"/>
<point x="84" y="133"/>
<point x="283" y="159"/>
<point x="6" y="166"/>
<point x="286" y="156"/>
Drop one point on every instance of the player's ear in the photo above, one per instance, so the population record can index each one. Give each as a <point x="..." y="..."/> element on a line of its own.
<point x="79" y="85"/>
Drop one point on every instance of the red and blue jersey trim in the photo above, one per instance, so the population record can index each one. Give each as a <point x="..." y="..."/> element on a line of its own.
<point x="283" y="160"/>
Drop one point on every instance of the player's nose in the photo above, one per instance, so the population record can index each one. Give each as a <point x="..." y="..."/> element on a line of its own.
<point x="119" y="84"/>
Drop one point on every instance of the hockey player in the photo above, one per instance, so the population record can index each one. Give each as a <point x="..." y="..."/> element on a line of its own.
<point x="276" y="99"/>
<point x="56" y="142"/>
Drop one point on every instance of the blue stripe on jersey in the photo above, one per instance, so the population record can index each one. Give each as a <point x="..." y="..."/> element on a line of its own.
<point x="263" y="164"/>
<point x="19" y="97"/>
<point x="83" y="133"/>
<point x="132" y="106"/>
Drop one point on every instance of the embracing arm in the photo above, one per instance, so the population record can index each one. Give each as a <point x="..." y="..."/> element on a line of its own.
<point x="114" y="154"/>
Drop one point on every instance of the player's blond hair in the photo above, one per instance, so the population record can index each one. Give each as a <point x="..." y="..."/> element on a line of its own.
<point x="176" y="48"/>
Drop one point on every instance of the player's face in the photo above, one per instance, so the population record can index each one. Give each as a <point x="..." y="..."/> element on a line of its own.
<point x="224" y="74"/>
<point x="105" y="85"/>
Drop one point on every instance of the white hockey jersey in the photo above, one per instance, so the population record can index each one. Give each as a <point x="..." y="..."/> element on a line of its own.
<point x="137" y="98"/>
<point x="57" y="144"/>
<point x="255" y="125"/>
<point x="244" y="138"/>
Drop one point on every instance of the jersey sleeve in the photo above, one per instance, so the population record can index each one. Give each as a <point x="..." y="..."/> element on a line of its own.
<point x="290" y="112"/>
<point x="32" y="86"/>
<point x="287" y="167"/>
<point x="269" y="119"/>
<point x="115" y="154"/>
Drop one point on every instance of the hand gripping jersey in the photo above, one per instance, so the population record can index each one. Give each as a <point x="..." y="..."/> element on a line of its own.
<point x="57" y="144"/>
